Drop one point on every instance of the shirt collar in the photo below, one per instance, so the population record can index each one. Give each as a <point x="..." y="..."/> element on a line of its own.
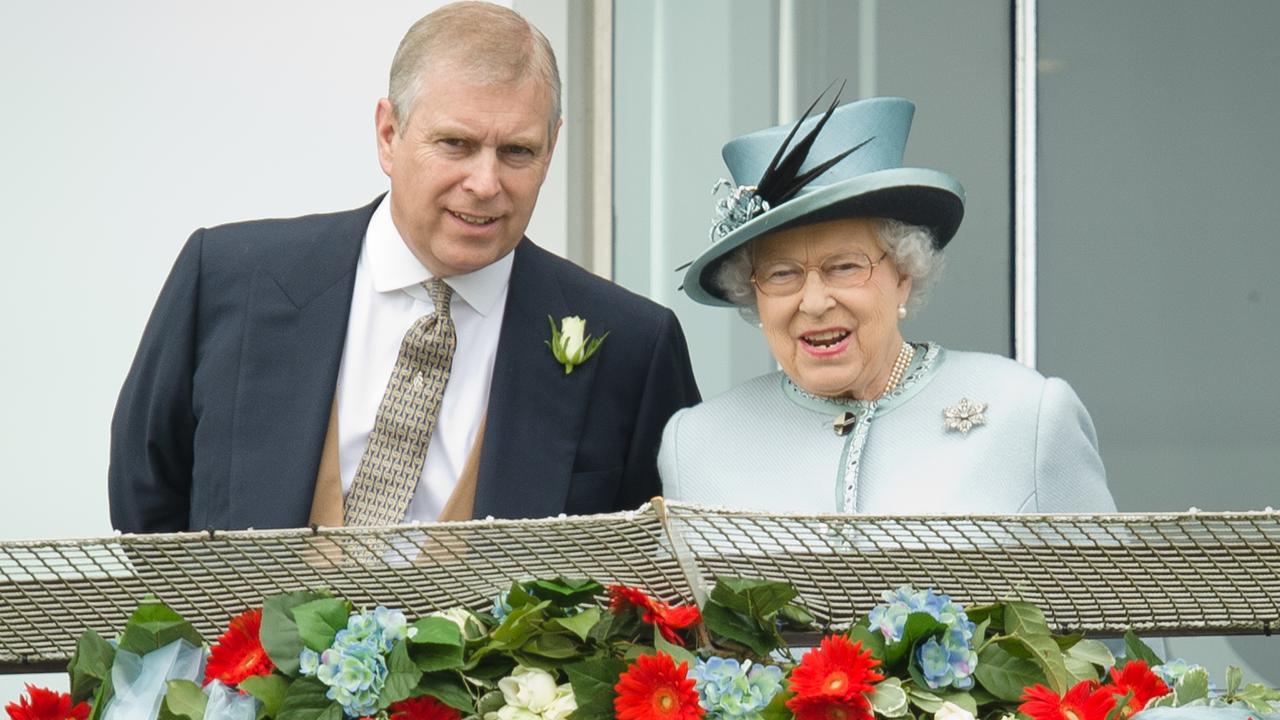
<point x="395" y="268"/>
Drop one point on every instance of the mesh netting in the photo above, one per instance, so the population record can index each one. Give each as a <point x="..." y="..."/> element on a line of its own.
<point x="1210" y="573"/>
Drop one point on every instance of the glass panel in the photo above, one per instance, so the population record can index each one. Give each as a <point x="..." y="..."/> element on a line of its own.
<point x="1157" y="249"/>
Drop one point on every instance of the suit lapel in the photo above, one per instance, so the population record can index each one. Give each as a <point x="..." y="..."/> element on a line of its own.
<point x="295" y="326"/>
<point x="536" y="412"/>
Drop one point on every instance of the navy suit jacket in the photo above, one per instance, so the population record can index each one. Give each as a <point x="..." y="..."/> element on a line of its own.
<point x="221" y="421"/>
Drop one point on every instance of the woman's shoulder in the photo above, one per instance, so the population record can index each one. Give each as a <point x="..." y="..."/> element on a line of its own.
<point x="738" y="402"/>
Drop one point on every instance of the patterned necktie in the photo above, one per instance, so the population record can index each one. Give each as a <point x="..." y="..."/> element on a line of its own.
<point x="392" y="463"/>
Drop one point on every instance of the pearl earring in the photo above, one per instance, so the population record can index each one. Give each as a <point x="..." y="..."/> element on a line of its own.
<point x="902" y="312"/>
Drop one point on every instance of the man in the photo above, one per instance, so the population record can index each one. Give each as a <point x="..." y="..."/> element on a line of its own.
<point x="391" y="363"/>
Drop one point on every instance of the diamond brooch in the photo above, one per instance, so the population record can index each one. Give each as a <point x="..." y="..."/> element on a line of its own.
<point x="964" y="415"/>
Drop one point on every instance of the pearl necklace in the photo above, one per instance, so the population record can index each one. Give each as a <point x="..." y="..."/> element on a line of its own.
<point x="905" y="356"/>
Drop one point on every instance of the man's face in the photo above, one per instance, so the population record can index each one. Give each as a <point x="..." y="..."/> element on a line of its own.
<point x="466" y="168"/>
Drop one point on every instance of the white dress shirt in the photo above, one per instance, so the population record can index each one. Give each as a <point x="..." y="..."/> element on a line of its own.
<point x="388" y="298"/>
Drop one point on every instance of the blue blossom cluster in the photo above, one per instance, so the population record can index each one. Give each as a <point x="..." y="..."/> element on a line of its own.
<point x="948" y="661"/>
<point x="728" y="689"/>
<point x="355" y="665"/>
<point x="1172" y="671"/>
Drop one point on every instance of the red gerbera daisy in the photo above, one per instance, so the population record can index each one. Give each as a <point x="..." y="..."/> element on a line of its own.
<point x="668" y="619"/>
<point x="239" y="654"/>
<point x="831" y="679"/>
<point x="1138" y="679"/>
<point x="1080" y="703"/>
<point x="423" y="708"/>
<point x="42" y="704"/>
<point x="654" y="688"/>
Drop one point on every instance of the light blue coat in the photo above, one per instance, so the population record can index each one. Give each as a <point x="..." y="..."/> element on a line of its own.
<point x="766" y="445"/>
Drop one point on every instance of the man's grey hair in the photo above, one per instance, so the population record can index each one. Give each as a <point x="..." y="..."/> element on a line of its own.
<point x="910" y="247"/>
<point x="482" y="43"/>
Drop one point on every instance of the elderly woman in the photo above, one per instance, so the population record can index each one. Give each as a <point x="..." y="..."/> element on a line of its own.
<point x="831" y="244"/>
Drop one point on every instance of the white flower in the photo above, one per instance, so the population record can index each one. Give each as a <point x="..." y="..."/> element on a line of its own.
<point x="467" y="623"/>
<point x="951" y="711"/>
<point x="532" y="694"/>
<point x="573" y="338"/>
<point x="570" y="343"/>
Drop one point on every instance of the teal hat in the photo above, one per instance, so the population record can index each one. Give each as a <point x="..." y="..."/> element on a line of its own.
<point x="848" y="163"/>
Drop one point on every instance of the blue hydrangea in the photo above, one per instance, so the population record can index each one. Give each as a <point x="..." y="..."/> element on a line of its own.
<point x="1173" y="670"/>
<point x="354" y="667"/>
<point x="945" y="661"/>
<point x="727" y="689"/>
<point x="501" y="607"/>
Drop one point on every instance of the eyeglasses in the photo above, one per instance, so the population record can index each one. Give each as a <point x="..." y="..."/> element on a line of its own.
<point x="787" y="277"/>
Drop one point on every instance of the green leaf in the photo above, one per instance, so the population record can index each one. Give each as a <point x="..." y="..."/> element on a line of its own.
<point x="90" y="665"/>
<point x="1135" y="649"/>
<point x="1121" y="708"/>
<point x="564" y="592"/>
<point x="796" y="617"/>
<point x="1194" y="685"/>
<point x="754" y="598"/>
<point x="872" y="640"/>
<point x="1023" y="619"/>
<point x="437" y="644"/>
<point x="1044" y="651"/>
<point x="919" y="625"/>
<point x="268" y="689"/>
<point x="492" y="701"/>
<point x="154" y="625"/>
<point x="889" y="699"/>
<point x="519" y="625"/>
<point x="720" y="620"/>
<point x="320" y="620"/>
<point x="305" y="700"/>
<point x="183" y="699"/>
<point x="279" y="633"/>
<point x="448" y="688"/>
<point x="923" y="699"/>
<point x="1234" y="678"/>
<point x="1004" y="675"/>
<point x="1094" y="652"/>
<point x="677" y="652"/>
<point x="960" y="698"/>
<point x="593" y="682"/>
<point x="1079" y="670"/>
<point x="554" y="646"/>
<point x="581" y="623"/>
<point x="402" y="676"/>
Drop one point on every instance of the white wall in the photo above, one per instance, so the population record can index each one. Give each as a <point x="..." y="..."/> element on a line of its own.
<point x="127" y="125"/>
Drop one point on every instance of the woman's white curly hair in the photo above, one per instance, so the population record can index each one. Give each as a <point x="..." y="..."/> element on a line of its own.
<point x="909" y="246"/>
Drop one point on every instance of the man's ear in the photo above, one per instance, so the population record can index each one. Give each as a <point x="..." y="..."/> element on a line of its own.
<point x="388" y="131"/>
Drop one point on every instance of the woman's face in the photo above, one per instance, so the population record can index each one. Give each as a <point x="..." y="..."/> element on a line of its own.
<point x="831" y="341"/>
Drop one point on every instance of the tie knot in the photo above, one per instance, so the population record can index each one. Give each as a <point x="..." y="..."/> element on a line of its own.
<point x="440" y="293"/>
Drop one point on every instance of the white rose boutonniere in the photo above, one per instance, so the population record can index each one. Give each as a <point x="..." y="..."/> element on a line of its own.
<point x="570" y="343"/>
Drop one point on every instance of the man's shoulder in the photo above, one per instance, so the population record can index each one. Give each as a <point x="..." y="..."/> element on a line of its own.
<point x="270" y="234"/>
<point x="601" y="299"/>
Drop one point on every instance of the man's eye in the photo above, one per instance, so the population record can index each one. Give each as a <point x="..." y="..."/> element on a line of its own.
<point x="454" y="142"/>
<point x="518" y="151"/>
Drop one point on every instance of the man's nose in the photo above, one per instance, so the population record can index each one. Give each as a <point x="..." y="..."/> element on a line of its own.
<point x="815" y="297"/>
<point x="483" y="177"/>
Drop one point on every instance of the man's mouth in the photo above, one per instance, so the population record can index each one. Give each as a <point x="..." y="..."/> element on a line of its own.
<point x="479" y="220"/>
<point x="825" y="339"/>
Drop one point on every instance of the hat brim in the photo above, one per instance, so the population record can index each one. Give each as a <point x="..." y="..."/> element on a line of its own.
<point x="918" y="196"/>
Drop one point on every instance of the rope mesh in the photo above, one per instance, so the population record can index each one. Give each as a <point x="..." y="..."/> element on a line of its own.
<point x="1201" y="573"/>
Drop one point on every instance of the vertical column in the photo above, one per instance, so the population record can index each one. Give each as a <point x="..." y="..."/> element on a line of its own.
<point x="1024" y="182"/>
